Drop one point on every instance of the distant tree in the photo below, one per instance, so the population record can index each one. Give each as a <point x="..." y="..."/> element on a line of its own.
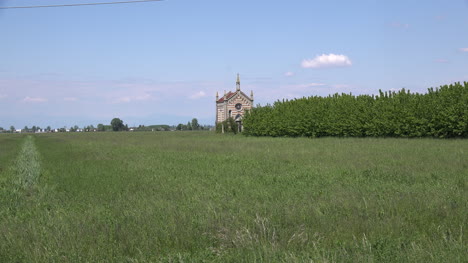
<point x="26" y="129"/>
<point x="179" y="127"/>
<point x="101" y="127"/>
<point x="195" y="125"/>
<point x="117" y="124"/>
<point x="34" y="128"/>
<point x="12" y="128"/>
<point x="189" y="126"/>
<point x="48" y="128"/>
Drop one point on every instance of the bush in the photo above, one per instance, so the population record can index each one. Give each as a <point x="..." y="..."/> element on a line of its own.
<point x="230" y="126"/>
<point x="441" y="113"/>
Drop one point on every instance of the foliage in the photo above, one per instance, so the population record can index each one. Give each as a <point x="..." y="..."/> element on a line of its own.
<point x="441" y="113"/>
<point x="194" y="124"/>
<point x="191" y="126"/>
<point x="202" y="197"/>
<point x="229" y="126"/>
<point x="101" y="127"/>
<point x="117" y="125"/>
<point x="160" y="127"/>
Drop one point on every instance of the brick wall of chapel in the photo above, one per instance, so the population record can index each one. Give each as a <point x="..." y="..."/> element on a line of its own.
<point x="224" y="108"/>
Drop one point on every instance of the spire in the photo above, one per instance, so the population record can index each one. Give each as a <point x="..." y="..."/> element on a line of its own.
<point x="217" y="96"/>
<point x="251" y="94"/>
<point x="238" y="82"/>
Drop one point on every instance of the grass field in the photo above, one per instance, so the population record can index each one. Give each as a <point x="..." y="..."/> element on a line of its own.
<point x="199" y="196"/>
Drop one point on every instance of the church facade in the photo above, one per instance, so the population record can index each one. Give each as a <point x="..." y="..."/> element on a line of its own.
<point x="233" y="104"/>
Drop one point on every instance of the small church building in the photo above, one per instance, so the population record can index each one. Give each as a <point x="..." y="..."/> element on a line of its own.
<point x="233" y="104"/>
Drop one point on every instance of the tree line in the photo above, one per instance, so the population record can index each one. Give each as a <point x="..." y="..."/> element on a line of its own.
<point x="115" y="125"/>
<point x="441" y="113"/>
<point x="192" y="126"/>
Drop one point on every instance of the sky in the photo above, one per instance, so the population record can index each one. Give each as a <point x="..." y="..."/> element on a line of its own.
<point x="163" y="62"/>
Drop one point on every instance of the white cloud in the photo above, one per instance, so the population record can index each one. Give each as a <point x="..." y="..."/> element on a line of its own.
<point x="325" y="61"/>
<point x="340" y="86"/>
<point x="289" y="74"/>
<point x="122" y="100"/>
<point x="34" y="99"/>
<point x="70" y="99"/>
<point x="127" y="99"/>
<point x="306" y="87"/>
<point x="441" y="60"/>
<point x="464" y="49"/>
<point x="198" y="95"/>
<point x="309" y="85"/>
<point x="399" y="25"/>
<point x="145" y="96"/>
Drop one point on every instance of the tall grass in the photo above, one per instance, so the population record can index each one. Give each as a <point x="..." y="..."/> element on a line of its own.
<point x="191" y="197"/>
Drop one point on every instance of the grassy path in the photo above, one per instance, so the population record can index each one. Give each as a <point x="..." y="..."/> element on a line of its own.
<point x="28" y="165"/>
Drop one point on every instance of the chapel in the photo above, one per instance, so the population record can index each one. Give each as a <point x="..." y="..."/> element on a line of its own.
<point x="233" y="104"/>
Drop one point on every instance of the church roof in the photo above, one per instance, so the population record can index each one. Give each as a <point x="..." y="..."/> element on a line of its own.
<point x="228" y="96"/>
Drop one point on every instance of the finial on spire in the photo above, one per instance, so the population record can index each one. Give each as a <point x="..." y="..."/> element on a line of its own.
<point x="238" y="82"/>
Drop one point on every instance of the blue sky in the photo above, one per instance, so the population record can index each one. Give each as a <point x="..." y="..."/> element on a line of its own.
<point x="162" y="62"/>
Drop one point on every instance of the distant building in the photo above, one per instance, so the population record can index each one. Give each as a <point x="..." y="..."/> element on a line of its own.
<point x="233" y="104"/>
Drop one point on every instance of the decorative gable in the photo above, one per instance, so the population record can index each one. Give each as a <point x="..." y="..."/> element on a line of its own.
<point x="233" y="105"/>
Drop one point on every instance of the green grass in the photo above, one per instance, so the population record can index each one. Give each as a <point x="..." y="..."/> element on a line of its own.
<point x="198" y="196"/>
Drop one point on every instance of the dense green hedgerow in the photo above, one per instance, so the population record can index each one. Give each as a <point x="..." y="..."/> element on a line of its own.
<point x="441" y="112"/>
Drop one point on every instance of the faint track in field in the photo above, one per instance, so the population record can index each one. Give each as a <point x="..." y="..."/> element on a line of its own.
<point x="28" y="164"/>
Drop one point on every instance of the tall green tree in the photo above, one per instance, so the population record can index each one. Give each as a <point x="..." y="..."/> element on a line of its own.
<point x="117" y="124"/>
<point x="195" y="125"/>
